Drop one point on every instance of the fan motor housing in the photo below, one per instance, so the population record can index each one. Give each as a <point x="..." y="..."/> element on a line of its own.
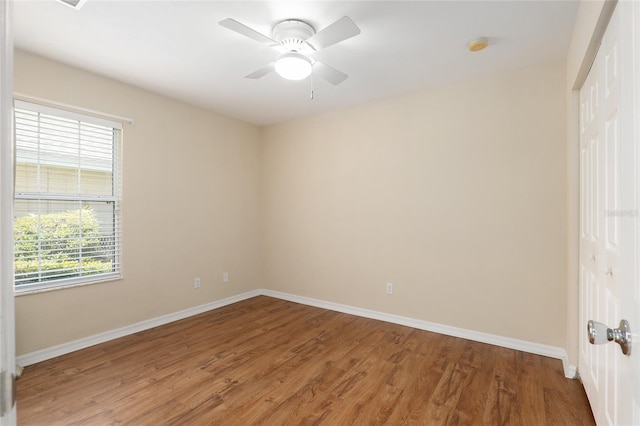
<point x="292" y="34"/>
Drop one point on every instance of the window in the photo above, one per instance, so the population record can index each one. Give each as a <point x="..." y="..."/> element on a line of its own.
<point x="67" y="198"/>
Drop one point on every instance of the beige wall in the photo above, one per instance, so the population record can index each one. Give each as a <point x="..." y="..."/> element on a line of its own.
<point x="455" y="195"/>
<point x="581" y="52"/>
<point x="190" y="209"/>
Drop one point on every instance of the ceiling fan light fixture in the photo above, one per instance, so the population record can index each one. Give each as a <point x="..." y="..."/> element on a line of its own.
<point x="293" y="66"/>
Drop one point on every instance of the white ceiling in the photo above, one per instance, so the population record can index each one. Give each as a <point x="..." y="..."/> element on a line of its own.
<point x="177" y="48"/>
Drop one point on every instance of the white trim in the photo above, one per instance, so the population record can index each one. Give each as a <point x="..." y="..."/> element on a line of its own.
<point x="78" y="5"/>
<point x="492" y="339"/>
<point x="66" y="113"/>
<point x="7" y="315"/>
<point x="72" y="283"/>
<point x="65" y="348"/>
<point x="570" y="370"/>
<point x="72" y="108"/>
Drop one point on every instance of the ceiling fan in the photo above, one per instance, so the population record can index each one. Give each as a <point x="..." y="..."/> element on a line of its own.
<point x="296" y="40"/>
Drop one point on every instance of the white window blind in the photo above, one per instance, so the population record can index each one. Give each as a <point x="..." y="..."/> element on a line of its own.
<point x="67" y="198"/>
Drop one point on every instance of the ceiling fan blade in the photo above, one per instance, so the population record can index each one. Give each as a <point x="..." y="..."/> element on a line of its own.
<point x="340" y="30"/>
<point x="259" y="73"/>
<point x="240" y="28"/>
<point x="330" y="74"/>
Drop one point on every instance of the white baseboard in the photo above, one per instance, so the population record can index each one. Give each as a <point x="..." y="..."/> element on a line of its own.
<point x="492" y="339"/>
<point x="65" y="348"/>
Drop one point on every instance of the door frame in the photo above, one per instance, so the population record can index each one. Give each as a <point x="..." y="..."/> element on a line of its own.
<point x="573" y="180"/>
<point x="7" y="315"/>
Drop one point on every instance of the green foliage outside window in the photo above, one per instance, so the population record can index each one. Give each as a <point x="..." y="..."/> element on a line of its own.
<point x="58" y="245"/>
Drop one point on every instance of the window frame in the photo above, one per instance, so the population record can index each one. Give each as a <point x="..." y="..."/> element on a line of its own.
<point x="115" y="198"/>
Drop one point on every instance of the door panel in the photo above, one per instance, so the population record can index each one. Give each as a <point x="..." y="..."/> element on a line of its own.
<point x="609" y="215"/>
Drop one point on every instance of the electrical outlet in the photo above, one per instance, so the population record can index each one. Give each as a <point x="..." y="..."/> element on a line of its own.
<point x="389" y="288"/>
<point x="197" y="283"/>
<point x="225" y="277"/>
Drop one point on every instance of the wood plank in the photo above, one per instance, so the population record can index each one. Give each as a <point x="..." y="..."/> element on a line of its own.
<point x="503" y="405"/>
<point x="268" y="361"/>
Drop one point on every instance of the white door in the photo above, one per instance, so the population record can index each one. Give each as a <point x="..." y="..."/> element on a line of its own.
<point x="7" y="348"/>
<point x="609" y="216"/>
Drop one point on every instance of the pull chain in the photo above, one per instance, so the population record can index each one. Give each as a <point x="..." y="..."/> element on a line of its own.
<point x="311" y="95"/>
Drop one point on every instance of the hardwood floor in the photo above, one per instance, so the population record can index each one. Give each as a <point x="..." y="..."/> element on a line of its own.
<point x="268" y="361"/>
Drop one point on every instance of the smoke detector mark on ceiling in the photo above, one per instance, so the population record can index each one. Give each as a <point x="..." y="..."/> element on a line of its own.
<point x="478" y="44"/>
<point x="76" y="4"/>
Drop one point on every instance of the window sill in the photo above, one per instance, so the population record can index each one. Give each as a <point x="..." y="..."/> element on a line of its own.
<point x="64" y="286"/>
